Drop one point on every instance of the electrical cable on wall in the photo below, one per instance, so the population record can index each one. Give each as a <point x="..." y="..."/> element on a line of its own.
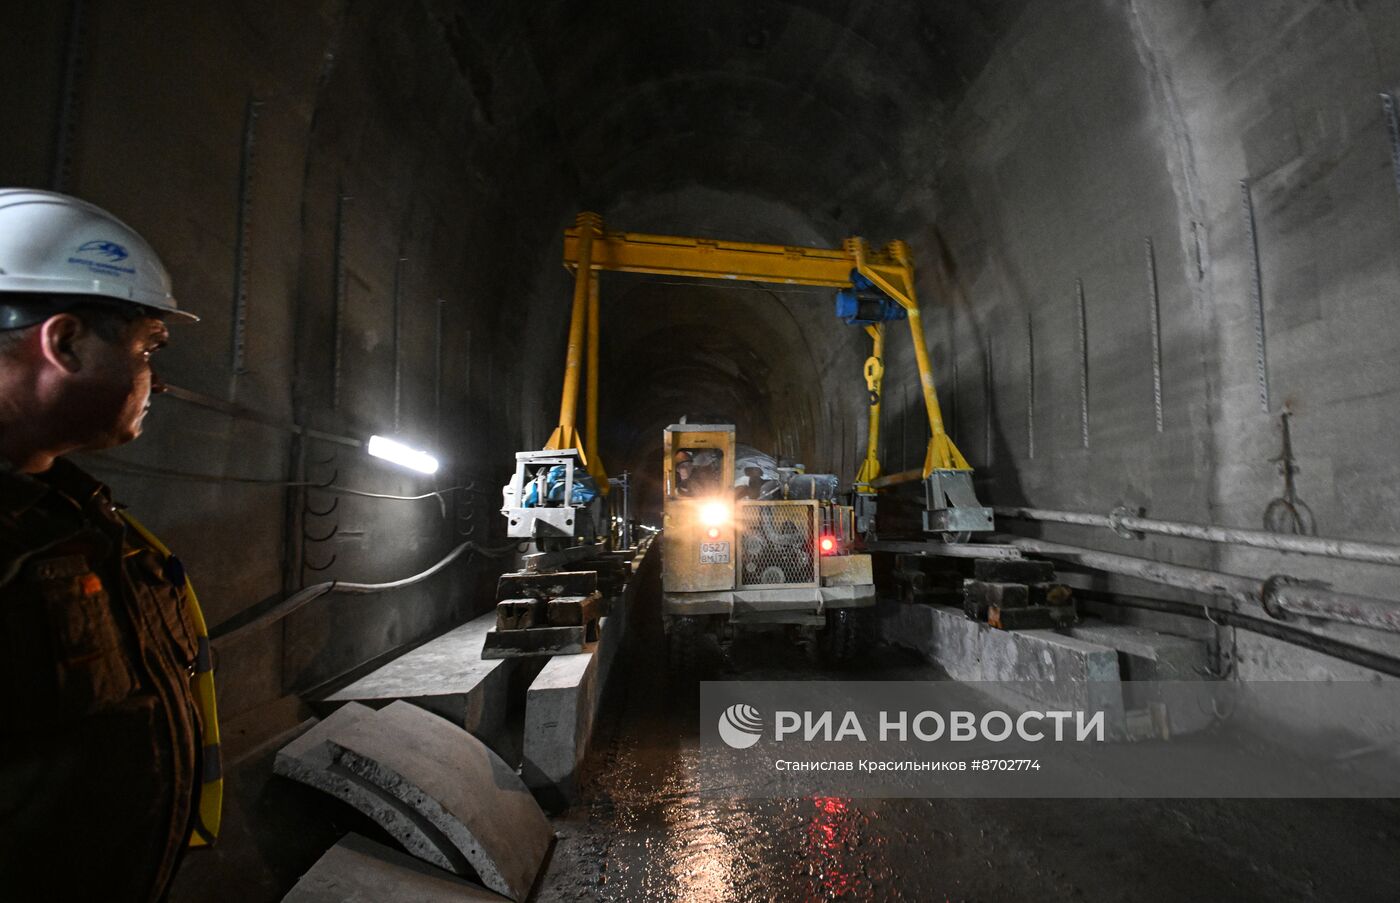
<point x="165" y="473"/>
<point x="308" y="594"/>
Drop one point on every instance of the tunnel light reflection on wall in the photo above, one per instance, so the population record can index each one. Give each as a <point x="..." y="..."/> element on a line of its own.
<point x="402" y="455"/>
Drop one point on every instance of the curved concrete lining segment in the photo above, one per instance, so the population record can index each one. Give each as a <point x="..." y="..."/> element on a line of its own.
<point x="308" y="759"/>
<point x="435" y="788"/>
<point x="451" y="779"/>
<point x="358" y="869"/>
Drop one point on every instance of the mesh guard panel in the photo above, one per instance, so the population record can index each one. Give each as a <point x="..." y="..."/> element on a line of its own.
<point x="777" y="544"/>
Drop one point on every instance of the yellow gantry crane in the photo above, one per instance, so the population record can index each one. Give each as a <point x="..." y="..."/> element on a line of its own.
<point x="951" y="504"/>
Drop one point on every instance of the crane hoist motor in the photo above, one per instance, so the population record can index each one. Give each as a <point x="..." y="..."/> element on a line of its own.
<point x="863" y="304"/>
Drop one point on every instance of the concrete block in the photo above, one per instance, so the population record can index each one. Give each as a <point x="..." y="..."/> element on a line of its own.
<point x="1153" y="664"/>
<point x="309" y="759"/>
<point x="460" y="787"/>
<point x="941" y="635"/>
<point x="846" y="570"/>
<point x="1045" y="656"/>
<point x="561" y="707"/>
<point x="1038" y="666"/>
<point x="1131" y="672"/>
<point x="980" y="596"/>
<point x="1016" y="606"/>
<point x="614" y="634"/>
<point x="562" y="702"/>
<point x="446" y="676"/>
<point x="915" y="580"/>
<point x="358" y="870"/>
<point x="1035" y="617"/>
<point x="573" y="611"/>
<point x="1145" y="654"/>
<point x="518" y="614"/>
<point x="1050" y="670"/>
<point x="559" y="710"/>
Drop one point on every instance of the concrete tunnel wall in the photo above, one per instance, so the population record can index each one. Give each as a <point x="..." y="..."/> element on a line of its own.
<point x="1018" y="147"/>
<point x="368" y="104"/>
<point x="1098" y="127"/>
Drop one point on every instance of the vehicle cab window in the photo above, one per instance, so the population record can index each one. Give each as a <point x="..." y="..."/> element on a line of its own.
<point x="699" y="471"/>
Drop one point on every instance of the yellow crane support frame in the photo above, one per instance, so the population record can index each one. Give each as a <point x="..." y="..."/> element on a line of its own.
<point x="565" y="435"/>
<point x="589" y="249"/>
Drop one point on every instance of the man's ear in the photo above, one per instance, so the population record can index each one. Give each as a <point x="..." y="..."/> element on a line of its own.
<point x="58" y="336"/>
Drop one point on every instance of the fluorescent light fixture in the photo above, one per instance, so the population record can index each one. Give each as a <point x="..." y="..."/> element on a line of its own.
<point x="402" y="455"/>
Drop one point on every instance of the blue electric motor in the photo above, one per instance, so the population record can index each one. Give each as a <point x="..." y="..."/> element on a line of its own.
<point x="585" y="489"/>
<point x="863" y="304"/>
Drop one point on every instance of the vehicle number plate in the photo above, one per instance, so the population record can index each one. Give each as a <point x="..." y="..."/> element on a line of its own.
<point x="714" y="553"/>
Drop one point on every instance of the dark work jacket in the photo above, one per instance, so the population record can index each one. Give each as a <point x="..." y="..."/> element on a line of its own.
<point x="99" y="748"/>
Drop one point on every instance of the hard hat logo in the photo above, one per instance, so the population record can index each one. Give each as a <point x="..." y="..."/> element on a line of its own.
<point x="109" y="249"/>
<point x="114" y="254"/>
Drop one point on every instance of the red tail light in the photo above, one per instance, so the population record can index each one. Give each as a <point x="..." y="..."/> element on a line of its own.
<point x="828" y="545"/>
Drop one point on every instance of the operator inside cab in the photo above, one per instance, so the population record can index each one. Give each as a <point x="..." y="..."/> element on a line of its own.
<point x="698" y="472"/>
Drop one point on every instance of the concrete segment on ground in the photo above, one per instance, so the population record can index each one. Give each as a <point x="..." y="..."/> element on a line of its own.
<point x="1048" y="668"/>
<point x="446" y="676"/>
<point x="562" y="703"/>
<point x="1146" y="655"/>
<point x="457" y="784"/>
<point x="358" y="870"/>
<point x="309" y="759"/>
<point x="559" y="711"/>
<point x="1098" y="665"/>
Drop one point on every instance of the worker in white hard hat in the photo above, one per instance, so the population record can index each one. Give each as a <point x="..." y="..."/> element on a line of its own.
<point x="108" y="748"/>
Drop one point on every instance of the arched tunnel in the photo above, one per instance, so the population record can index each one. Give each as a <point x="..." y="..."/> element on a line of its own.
<point x="1155" y="250"/>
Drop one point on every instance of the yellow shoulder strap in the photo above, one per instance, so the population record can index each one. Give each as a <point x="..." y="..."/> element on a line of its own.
<point x="211" y="789"/>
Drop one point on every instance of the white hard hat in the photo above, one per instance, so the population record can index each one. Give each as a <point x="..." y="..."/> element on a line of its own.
<point x="53" y="244"/>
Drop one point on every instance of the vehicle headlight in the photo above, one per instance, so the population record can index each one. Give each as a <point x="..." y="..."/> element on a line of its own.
<point x="714" y="514"/>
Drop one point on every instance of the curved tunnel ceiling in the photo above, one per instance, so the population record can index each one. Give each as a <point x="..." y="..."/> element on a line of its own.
<point x="779" y="100"/>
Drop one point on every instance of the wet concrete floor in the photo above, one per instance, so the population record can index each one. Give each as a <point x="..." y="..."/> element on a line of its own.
<point x="641" y="832"/>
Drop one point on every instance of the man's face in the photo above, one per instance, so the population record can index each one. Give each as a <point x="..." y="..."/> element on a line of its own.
<point x="112" y="391"/>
